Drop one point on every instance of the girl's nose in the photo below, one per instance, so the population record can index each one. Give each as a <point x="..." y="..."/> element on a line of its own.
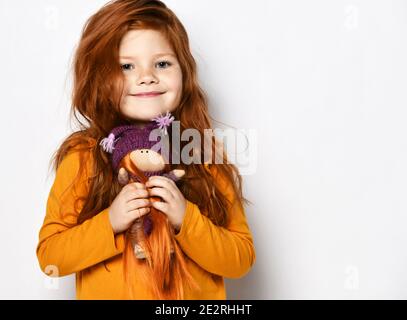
<point x="146" y="77"/>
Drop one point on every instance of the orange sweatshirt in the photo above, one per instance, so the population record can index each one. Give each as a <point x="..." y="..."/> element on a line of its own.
<point x="94" y="252"/>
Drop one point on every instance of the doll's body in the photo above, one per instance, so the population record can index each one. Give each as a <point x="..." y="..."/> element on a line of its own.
<point x="147" y="161"/>
<point x="151" y="251"/>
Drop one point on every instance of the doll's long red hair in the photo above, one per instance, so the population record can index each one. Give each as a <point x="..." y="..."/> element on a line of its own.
<point x="98" y="83"/>
<point x="164" y="273"/>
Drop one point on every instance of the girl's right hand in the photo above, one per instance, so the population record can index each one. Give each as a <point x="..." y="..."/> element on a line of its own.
<point x="131" y="203"/>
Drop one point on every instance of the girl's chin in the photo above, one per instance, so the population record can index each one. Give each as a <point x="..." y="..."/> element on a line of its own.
<point x="145" y="117"/>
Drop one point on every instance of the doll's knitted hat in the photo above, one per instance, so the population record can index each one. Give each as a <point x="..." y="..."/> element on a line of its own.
<point x="126" y="138"/>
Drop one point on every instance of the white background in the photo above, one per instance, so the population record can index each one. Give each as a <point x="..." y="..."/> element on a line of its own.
<point x="323" y="83"/>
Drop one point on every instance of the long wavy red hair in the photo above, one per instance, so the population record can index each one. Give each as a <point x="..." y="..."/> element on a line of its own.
<point x="98" y="83"/>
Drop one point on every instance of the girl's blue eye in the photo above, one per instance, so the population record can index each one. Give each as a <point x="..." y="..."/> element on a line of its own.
<point x="167" y="62"/>
<point x="127" y="66"/>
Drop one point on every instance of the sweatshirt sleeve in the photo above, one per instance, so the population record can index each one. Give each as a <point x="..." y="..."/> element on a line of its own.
<point x="67" y="249"/>
<point x="228" y="252"/>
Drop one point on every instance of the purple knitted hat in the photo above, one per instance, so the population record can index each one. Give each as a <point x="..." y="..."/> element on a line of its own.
<point x="126" y="138"/>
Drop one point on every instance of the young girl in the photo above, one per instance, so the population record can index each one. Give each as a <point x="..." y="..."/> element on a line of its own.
<point x="131" y="47"/>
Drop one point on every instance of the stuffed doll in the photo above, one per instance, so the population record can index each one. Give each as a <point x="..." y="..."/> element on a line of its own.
<point x="150" y="251"/>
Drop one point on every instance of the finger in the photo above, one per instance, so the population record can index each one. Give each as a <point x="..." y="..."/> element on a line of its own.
<point x="138" y="203"/>
<point x="138" y="185"/>
<point x="163" y="183"/>
<point x="137" y="213"/>
<point x="162" y="206"/>
<point x="137" y="194"/>
<point x="131" y="187"/>
<point x="162" y="180"/>
<point x="165" y="194"/>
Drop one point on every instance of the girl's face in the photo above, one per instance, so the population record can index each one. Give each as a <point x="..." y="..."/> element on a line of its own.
<point x="149" y="64"/>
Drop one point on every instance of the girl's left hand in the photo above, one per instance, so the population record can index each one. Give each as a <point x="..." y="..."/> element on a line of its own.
<point x="173" y="204"/>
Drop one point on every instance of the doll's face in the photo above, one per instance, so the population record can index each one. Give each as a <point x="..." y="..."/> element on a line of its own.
<point x="147" y="160"/>
<point x="145" y="69"/>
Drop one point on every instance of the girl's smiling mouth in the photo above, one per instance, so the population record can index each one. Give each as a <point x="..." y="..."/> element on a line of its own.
<point x="147" y="94"/>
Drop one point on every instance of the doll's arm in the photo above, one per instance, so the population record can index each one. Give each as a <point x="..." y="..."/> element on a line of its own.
<point x="175" y="174"/>
<point x="123" y="177"/>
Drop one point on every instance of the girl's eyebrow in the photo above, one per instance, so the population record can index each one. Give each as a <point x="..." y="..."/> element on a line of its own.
<point x="154" y="56"/>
